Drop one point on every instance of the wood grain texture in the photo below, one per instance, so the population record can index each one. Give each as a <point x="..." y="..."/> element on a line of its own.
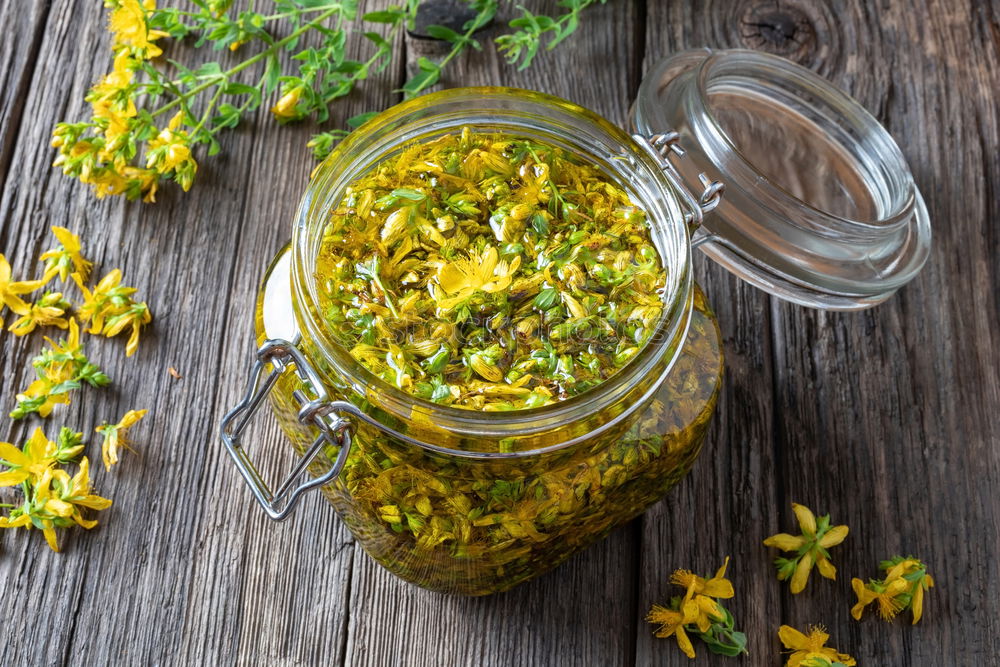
<point x="885" y="418"/>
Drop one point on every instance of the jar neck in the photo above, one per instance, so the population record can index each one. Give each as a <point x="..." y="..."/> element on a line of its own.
<point x="522" y="113"/>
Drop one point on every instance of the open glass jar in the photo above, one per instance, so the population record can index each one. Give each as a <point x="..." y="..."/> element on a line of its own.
<point x="474" y="502"/>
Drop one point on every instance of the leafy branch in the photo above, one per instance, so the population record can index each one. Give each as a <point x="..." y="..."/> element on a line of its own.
<point x="126" y="147"/>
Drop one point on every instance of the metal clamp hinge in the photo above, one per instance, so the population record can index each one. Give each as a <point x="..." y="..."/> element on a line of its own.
<point x="316" y="410"/>
<point x="660" y="147"/>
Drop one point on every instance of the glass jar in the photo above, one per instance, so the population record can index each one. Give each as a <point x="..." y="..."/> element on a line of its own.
<point x="471" y="502"/>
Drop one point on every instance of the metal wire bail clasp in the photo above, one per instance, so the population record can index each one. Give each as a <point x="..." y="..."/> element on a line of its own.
<point x="317" y="410"/>
<point x="660" y="147"/>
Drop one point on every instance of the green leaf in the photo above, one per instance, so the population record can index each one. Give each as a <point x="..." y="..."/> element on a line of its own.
<point x="384" y="16"/>
<point x="272" y="74"/>
<point x="209" y="70"/>
<point x="546" y="299"/>
<point x="430" y="73"/>
<point x="378" y="40"/>
<point x="540" y="224"/>
<point x="445" y="33"/>
<point x="425" y="79"/>
<point x="357" y="121"/>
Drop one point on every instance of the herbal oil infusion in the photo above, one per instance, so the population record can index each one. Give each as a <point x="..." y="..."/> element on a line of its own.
<point x="485" y="341"/>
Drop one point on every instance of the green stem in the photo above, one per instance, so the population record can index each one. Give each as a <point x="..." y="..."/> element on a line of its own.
<point x="458" y="47"/>
<point x="301" y="12"/>
<point x="208" y="110"/>
<point x="269" y="17"/>
<point x="250" y="61"/>
<point x="378" y="55"/>
<point x="243" y="107"/>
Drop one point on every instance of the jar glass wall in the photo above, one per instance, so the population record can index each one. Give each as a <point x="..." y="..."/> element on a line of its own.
<point x="473" y="502"/>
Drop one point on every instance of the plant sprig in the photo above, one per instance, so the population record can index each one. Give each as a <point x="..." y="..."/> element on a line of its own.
<point x="523" y="44"/>
<point x="147" y="124"/>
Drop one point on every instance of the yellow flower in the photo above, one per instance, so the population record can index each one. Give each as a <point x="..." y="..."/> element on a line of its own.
<point x="111" y="102"/>
<point x="103" y="301"/>
<point x="697" y="612"/>
<point x="885" y="595"/>
<point x="55" y="502"/>
<point x="145" y="180"/>
<point x="29" y="462"/>
<point x="128" y="25"/>
<point x="170" y="150"/>
<point x="10" y="290"/>
<point x="110" y="309"/>
<point x="41" y="396"/>
<point x="914" y="571"/>
<point x="484" y="272"/>
<point x="39" y="511"/>
<point x="672" y="622"/>
<point x="136" y="315"/>
<point x="50" y="310"/>
<point x="76" y="493"/>
<point x="106" y="181"/>
<point x="809" y="646"/>
<point x="114" y="436"/>
<point x="61" y="361"/>
<point x="903" y="588"/>
<point x="698" y="605"/>
<point x="286" y="108"/>
<point x="716" y="587"/>
<point x="810" y="547"/>
<point x="66" y="256"/>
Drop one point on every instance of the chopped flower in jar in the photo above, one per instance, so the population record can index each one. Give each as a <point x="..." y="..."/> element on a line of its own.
<point x="490" y="272"/>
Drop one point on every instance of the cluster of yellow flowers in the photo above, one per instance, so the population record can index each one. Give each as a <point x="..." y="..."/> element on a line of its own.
<point x="102" y="152"/>
<point x="811" y="650"/>
<point x="698" y="613"/>
<point x="109" y="308"/>
<point x="51" y="497"/>
<point x="810" y="548"/>
<point x="903" y="588"/>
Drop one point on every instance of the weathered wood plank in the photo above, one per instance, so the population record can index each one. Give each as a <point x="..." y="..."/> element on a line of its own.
<point x="879" y="417"/>
<point x="904" y="398"/>
<point x="17" y="63"/>
<point x="885" y="418"/>
<point x="183" y="568"/>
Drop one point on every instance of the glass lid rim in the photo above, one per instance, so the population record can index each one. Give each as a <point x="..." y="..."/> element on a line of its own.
<point x="899" y="166"/>
<point x="760" y="219"/>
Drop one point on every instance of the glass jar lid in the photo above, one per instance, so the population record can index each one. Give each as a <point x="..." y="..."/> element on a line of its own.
<point x="820" y="207"/>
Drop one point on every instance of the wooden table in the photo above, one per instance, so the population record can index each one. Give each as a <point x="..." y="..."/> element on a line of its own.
<point x="887" y="418"/>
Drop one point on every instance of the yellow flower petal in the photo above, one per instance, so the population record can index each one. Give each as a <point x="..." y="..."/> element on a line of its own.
<point x="785" y="542"/>
<point x="59" y="507"/>
<point x="865" y="597"/>
<point x="792" y="638"/>
<point x="19" y="522"/>
<point x="12" y="477"/>
<point x="917" y="606"/>
<point x="719" y="588"/>
<point x="826" y="568"/>
<point x="721" y="572"/>
<point x="50" y="537"/>
<point x="807" y="520"/>
<point x="833" y="537"/>
<point x="684" y="643"/>
<point x="12" y="454"/>
<point x="802" y="571"/>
